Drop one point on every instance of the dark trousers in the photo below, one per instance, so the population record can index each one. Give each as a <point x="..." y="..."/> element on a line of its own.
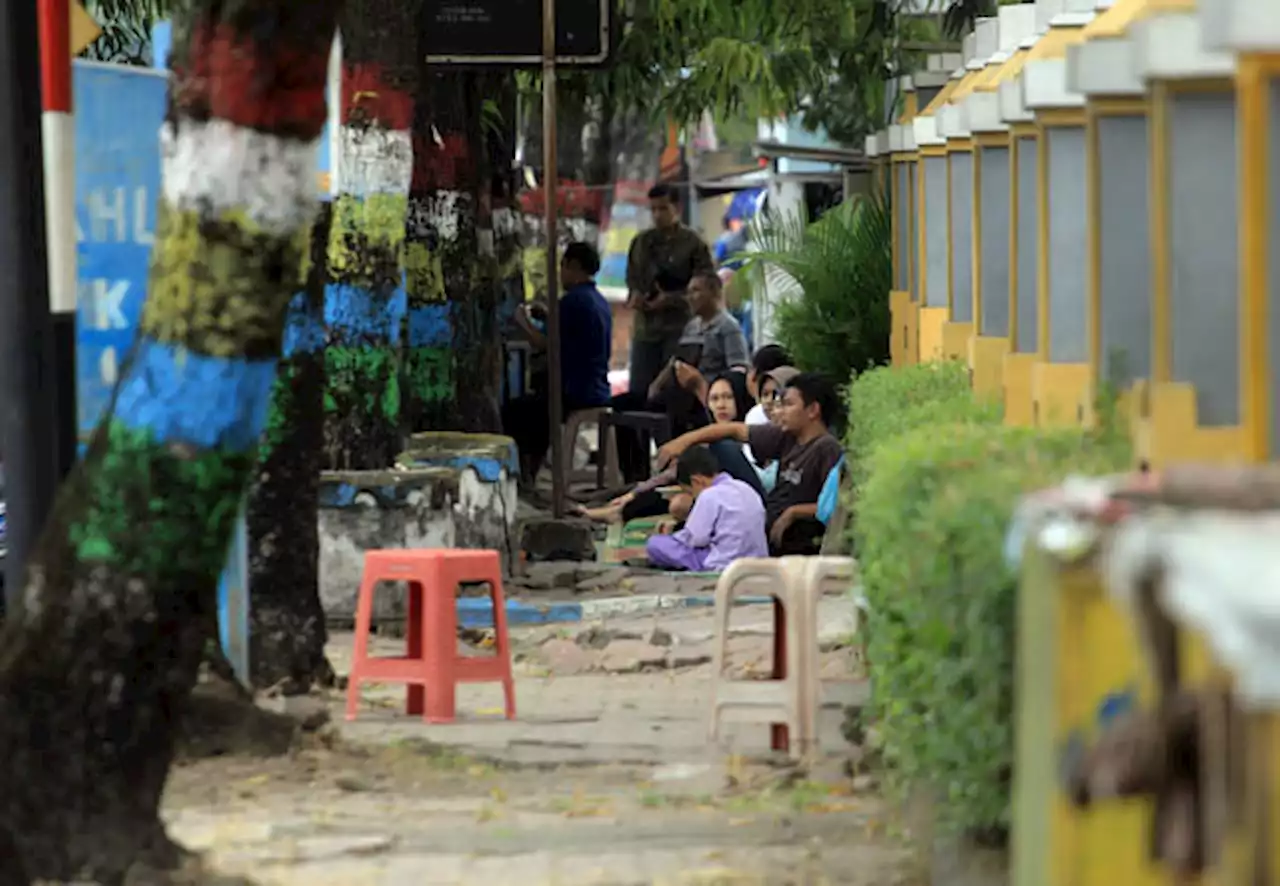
<point x="803" y="538"/>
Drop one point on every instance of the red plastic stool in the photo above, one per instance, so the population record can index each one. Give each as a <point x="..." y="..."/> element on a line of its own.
<point x="432" y="668"/>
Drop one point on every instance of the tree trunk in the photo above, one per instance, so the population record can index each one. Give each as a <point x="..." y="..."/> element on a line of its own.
<point x="366" y="295"/>
<point x="457" y="178"/>
<point x="287" y="627"/>
<point x="99" y="663"/>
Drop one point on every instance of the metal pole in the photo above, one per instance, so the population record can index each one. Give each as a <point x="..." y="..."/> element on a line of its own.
<point x="549" y="180"/>
<point x="58" y="134"/>
<point x="26" y="348"/>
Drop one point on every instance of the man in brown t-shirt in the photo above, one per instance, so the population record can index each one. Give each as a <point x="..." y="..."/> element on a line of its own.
<point x="805" y="450"/>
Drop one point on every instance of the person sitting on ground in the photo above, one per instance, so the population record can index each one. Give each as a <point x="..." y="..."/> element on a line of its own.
<point x="764" y="361"/>
<point x="771" y="388"/>
<point x="727" y="401"/>
<point x="726" y="523"/>
<point x="586" y="337"/>
<point x="805" y="450"/>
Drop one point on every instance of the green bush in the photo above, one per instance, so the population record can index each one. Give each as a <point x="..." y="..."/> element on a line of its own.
<point x="840" y="270"/>
<point x="886" y="402"/>
<point x="931" y="520"/>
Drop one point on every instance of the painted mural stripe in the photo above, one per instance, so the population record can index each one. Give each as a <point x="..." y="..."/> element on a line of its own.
<point x="424" y="274"/>
<point x="217" y="166"/>
<point x="304" y="330"/>
<point x="366" y="239"/>
<point x="430" y="326"/>
<point x="216" y="285"/>
<point x="222" y="72"/>
<point x="358" y="315"/>
<point x="375" y="160"/>
<point x="181" y="488"/>
<point x="366" y="96"/>
<point x="182" y="397"/>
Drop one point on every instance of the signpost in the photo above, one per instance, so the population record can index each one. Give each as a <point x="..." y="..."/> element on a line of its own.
<point x="510" y="33"/>
<point x="506" y="33"/>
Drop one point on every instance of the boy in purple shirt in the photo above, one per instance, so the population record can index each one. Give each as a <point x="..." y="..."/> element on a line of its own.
<point x="726" y="523"/>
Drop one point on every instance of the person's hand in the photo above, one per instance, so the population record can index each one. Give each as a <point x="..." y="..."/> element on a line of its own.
<point x="522" y="314"/>
<point x="781" y="525"/>
<point x="623" y="500"/>
<point x="668" y="453"/>
<point x="687" y="376"/>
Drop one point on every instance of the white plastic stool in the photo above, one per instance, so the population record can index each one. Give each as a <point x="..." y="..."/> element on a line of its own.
<point x="790" y="701"/>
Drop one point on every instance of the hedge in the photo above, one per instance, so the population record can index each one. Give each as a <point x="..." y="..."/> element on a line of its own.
<point x="930" y="523"/>
<point x="886" y="402"/>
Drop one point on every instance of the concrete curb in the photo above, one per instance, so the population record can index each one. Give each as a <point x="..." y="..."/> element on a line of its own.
<point x="477" y="612"/>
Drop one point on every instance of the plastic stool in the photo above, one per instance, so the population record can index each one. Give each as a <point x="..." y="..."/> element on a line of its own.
<point x="432" y="667"/>
<point x="790" y="701"/>
<point x="787" y="701"/>
<point x="606" y="469"/>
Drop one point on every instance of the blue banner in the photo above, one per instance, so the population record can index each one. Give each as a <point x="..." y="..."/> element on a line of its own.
<point x="118" y="115"/>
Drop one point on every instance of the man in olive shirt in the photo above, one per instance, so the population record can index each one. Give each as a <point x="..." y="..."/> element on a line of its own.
<point x="661" y="263"/>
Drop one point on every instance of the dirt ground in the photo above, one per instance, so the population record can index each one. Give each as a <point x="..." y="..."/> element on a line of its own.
<point x="607" y="778"/>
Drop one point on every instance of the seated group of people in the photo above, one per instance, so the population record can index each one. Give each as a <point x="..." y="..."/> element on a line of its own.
<point x="751" y="479"/>
<point x="754" y="449"/>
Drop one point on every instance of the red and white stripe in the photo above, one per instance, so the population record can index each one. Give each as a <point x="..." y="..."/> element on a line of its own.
<point x="375" y="142"/>
<point x="58" y="134"/>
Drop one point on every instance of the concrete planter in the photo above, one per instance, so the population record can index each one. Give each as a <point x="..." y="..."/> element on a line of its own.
<point x="447" y="491"/>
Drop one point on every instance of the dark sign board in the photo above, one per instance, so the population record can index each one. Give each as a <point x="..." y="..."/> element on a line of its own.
<point x="508" y="33"/>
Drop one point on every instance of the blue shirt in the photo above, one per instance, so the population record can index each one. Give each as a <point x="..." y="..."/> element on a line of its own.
<point x="586" y="338"/>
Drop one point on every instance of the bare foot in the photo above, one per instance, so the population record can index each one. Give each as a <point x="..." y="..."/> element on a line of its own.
<point x="606" y="514"/>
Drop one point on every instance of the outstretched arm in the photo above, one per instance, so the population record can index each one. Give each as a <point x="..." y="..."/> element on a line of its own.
<point x="713" y="433"/>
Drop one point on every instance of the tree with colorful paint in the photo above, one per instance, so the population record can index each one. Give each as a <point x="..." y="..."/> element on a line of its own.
<point x="100" y="659"/>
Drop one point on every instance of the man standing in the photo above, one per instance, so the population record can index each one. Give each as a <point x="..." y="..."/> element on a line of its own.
<point x="661" y="263"/>
<point x="586" y="336"/>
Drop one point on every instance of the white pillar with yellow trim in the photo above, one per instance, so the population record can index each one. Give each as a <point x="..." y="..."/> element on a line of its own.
<point x="1101" y="67"/>
<point x="1024" y="202"/>
<point x="1059" y="379"/>
<point x="935" y="224"/>
<point x="1193" y="411"/>
<point x="992" y="198"/>
<point x="961" y="183"/>
<point x="1250" y="30"/>
<point x="901" y="204"/>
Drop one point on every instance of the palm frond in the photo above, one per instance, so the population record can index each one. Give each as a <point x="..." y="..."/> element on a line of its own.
<point x="831" y="280"/>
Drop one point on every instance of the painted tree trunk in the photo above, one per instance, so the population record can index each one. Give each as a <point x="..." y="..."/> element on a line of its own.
<point x="366" y="301"/>
<point x="98" y="664"/>
<point x="287" y="625"/>
<point x="462" y="171"/>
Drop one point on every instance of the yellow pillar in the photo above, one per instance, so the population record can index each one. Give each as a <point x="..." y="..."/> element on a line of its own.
<point x="953" y="126"/>
<point x="1060" y="377"/>
<point x="1118" y="179"/>
<point x="993" y="228"/>
<point x="934" y="228"/>
<point x="898" y="191"/>
<point x="1195" y="407"/>
<point x="1257" y="88"/>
